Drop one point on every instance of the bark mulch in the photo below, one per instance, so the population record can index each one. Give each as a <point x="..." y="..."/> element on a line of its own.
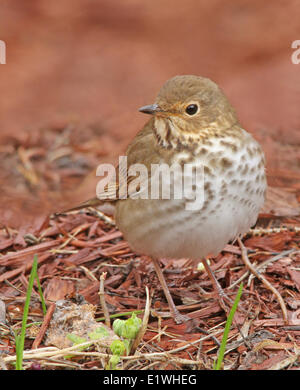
<point x="73" y="252"/>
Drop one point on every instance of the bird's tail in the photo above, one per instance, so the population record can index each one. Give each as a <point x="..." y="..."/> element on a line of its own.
<point x="94" y="202"/>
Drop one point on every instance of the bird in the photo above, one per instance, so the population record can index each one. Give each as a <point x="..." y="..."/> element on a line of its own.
<point x="192" y="123"/>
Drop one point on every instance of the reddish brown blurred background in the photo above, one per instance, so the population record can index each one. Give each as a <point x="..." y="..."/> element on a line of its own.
<point x="77" y="71"/>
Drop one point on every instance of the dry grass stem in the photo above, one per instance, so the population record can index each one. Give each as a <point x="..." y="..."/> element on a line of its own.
<point x="143" y="328"/>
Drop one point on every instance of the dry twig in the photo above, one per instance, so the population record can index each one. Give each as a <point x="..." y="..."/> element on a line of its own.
<point x="44" y="326"/>
<point x="102" y="299"/>
<point x="263" y="280"/>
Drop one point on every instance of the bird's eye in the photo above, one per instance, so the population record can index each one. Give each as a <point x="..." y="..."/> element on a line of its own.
<point x="192" y="109"/>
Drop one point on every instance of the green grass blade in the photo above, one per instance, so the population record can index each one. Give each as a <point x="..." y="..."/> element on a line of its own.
<point x="20" y="339"/>
<point x="217" y="366"/>
<point x="44" y="307"/>
<point x="123" y="314"/>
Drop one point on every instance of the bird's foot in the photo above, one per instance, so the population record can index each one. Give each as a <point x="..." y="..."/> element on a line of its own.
<point x="226" y="302"/>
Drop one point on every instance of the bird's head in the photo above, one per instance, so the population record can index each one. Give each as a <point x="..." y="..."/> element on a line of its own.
<point x="188" y="106"/>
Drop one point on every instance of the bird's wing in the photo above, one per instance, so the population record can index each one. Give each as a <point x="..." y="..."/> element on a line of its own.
<point x="142" y="150"/>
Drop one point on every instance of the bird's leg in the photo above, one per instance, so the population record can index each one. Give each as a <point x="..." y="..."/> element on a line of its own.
<point x="179" y="318"/>
<point x="217" y="287"/>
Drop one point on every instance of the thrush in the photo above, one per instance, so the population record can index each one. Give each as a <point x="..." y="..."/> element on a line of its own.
<point x="192" y="122"/>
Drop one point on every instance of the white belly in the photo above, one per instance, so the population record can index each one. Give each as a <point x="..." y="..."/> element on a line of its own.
<point x="164" y="228"/>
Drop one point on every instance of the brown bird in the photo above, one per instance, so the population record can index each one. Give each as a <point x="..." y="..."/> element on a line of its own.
<point x="192" y="123"/>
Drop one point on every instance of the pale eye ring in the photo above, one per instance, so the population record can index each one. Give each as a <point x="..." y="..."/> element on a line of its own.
<point x="192" y="109"/>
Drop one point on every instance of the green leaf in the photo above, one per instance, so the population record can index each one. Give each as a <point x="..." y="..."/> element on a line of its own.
<point x="20" y="339"/>
<point x="113" y="361"/>
<point x="41" y="294"/>
<point x="99" y="333"/>
<point x="127" y="344"/>
<point x="117" y="347"/>
<point x="217" y="366"/>
<point x="127" y="329"/>
<point x="76" y="339"/>
<point x="118" y="326"/>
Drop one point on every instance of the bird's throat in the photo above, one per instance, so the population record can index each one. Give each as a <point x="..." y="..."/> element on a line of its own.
<point x="171" y="134"/>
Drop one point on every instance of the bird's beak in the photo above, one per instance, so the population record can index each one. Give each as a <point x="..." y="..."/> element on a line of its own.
<point x="150" y="109"/>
